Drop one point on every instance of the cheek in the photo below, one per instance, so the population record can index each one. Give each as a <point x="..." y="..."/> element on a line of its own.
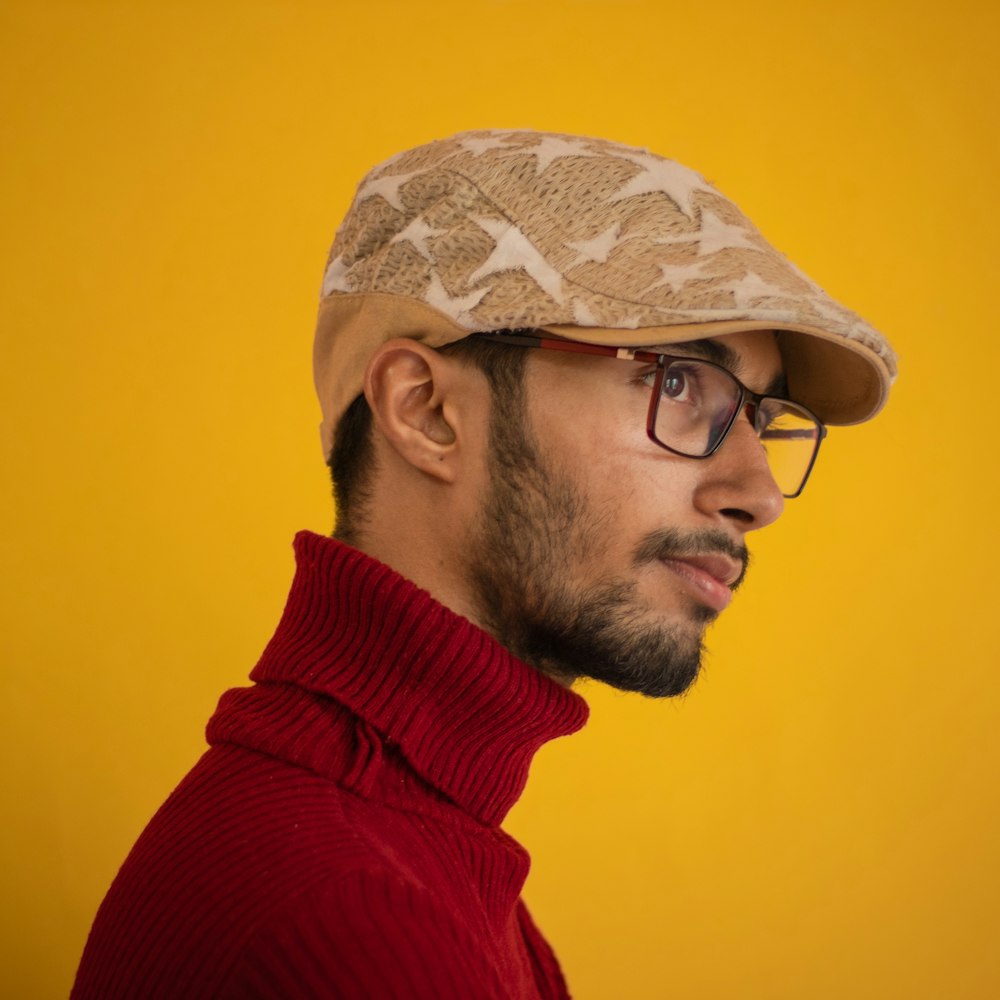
<point x="627" y="490"/>
<point x="628" y="484"/>
<point x="631" y="474"/>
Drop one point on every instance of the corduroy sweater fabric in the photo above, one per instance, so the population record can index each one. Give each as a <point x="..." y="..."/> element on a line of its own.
<point x="340" y="838"/>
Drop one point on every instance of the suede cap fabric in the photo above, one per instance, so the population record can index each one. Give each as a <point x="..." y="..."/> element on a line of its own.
<point x="587" y="239"/>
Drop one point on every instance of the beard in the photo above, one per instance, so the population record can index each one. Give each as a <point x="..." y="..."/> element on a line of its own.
<point x="535" y="527"/>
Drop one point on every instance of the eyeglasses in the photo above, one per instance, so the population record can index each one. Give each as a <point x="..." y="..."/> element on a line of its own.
<point x="695" y="404"/>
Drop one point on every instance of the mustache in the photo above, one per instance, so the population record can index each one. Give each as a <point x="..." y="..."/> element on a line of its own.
<point x="671" y="543"/>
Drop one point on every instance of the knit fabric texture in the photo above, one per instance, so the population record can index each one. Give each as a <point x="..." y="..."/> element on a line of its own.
<point x="341" y="837"/>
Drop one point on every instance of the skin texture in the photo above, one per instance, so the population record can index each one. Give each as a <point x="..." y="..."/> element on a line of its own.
<point x="559" y="527"/>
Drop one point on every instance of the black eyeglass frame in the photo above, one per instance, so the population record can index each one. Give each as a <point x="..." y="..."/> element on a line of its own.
<point x="749" y="401"/>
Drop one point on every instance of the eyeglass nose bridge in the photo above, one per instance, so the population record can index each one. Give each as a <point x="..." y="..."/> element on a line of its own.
<point x="748" y="405"/>
<point x="751" y="407"/>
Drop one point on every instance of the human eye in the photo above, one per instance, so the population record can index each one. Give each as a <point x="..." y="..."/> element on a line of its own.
<point x="682" y="383"/>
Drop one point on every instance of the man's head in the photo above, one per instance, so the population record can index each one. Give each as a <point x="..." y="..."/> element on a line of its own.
<point x="578" y="505"/>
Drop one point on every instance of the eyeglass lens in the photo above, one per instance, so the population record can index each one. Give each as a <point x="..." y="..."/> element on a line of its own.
<point x="698" y="404"/>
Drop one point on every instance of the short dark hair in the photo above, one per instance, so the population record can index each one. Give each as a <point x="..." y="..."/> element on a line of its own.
<point x="352" y="458"/>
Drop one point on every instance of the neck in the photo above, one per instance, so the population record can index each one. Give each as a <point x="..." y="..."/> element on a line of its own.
<point x="420" y="555"/>
<point x="464" y="712"/>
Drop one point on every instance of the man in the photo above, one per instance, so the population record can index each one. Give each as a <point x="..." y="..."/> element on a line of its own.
<point x="561" y="381"/>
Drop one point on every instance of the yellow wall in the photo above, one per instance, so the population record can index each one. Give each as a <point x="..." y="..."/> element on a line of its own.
<point x="819" y="819"/>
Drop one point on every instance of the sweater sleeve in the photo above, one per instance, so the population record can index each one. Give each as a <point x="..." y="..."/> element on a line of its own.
<point x="366" y="937"/>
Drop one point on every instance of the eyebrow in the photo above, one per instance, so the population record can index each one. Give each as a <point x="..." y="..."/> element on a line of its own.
<point x="724" y="356"/>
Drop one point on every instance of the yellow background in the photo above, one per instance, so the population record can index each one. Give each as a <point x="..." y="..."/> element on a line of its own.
<point x="819" y="818"/>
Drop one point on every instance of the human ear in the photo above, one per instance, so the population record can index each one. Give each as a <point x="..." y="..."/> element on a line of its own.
<point x="408" y="388"/>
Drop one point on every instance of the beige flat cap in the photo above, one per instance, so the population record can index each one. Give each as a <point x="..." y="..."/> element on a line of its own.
<point x="587" y="239"/>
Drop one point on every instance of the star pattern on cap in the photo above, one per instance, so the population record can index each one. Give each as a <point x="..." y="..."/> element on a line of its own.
<point x="417" y="233"/>
<point x="513" y="250"/>
<point x="552" y="147"/>
<point x="477" y="145"/>
<point x="387" y="185"/>
<point x="752" y="286"/>
<point x="598" y="248"/>
<point x="665" y="177"/>
<point x="675" y="276"/>
<point x="459" y="306"/>
<point x="335" y="277"/>
<point x="717" y="235"/>
<point x="582" y="316"/>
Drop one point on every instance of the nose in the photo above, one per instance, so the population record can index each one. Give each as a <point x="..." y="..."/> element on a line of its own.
<point x="738" y="485"/>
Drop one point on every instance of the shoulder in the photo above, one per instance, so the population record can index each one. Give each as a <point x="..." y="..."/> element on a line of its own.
<point x="368" y="934"/>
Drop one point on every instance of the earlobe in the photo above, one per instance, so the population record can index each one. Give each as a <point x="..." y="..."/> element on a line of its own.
<point x="406" y="388"/>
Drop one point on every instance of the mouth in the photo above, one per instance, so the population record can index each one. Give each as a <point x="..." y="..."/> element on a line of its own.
<point x="712" y="577"/>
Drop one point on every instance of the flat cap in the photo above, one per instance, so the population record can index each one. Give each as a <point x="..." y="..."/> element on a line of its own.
<point x="587" y="239"/>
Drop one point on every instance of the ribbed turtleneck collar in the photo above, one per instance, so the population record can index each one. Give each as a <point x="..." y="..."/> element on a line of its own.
<point x="465" y="713"/>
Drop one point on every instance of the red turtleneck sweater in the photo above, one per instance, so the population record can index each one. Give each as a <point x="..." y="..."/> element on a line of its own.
<point x="340" y="838"/>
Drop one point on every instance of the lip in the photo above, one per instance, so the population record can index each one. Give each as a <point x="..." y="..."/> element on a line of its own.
<point x="712" y="576"/>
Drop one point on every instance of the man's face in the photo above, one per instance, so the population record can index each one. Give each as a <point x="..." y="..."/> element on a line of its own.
<point x="598" y="553"/>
